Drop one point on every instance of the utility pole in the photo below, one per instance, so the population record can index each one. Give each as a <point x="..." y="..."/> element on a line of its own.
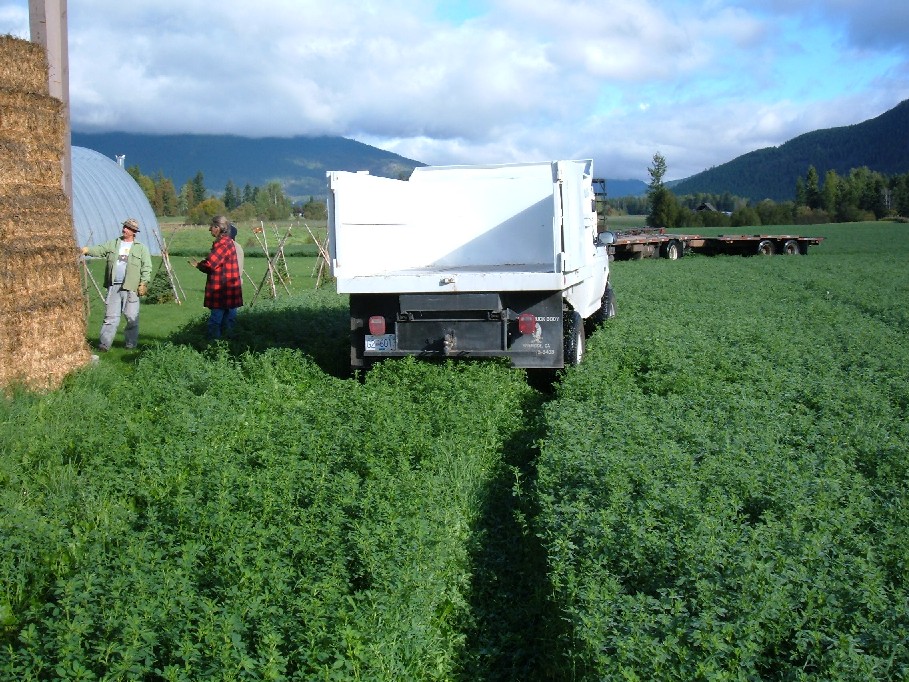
<point x="47" y="22"/>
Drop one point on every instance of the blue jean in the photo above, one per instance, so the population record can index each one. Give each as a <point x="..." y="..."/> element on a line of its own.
<point x="221" y="321"/>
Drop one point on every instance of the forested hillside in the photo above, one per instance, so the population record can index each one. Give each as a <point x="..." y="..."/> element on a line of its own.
<point x="298" y="163"/>
<point x="880" y="144"/>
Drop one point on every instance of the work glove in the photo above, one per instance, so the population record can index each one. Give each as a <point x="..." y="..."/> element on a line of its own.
<point x="143" y="289"/>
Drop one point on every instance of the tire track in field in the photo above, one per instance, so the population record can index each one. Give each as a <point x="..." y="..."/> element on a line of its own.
<point x="514" y="632"/>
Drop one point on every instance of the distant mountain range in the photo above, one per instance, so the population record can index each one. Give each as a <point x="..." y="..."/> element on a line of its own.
<point x="300" y="163"/>
<point x="881" y="144"/>
<point x="625" y="188"/>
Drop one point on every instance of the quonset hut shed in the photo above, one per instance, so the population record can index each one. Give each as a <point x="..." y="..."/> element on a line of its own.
<point x="104" y="195"/>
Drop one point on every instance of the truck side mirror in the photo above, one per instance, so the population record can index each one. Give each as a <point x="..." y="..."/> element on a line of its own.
<point x="606" y="238"/>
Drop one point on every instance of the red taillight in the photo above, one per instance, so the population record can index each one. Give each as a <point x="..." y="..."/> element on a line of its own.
<point x="527" y="323"/>
<point x="376" y="325"/>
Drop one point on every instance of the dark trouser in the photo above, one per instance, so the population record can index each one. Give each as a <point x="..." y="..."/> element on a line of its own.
<point x="221" y="321"/>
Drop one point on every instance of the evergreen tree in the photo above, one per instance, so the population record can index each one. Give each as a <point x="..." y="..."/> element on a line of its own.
<point x="232" y="197"/>
<point x="664" y="209"/>
<point x="812" y="191"/>
<point x="187" y="199"/>
<point x="198" y="188"/>
<point x="657" y="171"/>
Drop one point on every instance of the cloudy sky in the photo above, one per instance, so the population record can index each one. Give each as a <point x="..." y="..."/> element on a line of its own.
<point x="490" y="81"/>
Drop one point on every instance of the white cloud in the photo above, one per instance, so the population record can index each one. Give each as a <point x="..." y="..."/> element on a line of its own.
<point x="702" y="81"/>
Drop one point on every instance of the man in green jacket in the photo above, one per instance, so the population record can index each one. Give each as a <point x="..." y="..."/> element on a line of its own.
<point x="127" y="276"/>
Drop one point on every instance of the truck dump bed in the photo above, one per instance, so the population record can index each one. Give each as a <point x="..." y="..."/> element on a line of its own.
<point x="515" y="227"/>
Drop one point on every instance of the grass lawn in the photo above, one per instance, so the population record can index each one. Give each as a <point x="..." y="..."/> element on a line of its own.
<point x="626" y="222"/>
<point x="169" y="320"/>
<point x="182" y="238"/>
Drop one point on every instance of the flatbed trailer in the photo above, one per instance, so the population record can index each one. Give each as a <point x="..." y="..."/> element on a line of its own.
<point x="656" y="243"/>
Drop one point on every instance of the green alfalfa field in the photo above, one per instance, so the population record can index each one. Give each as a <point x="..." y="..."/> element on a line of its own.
<point x="718" y="492"/>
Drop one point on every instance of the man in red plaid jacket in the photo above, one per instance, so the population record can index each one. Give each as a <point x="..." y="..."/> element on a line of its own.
<point x="223" y="288"/>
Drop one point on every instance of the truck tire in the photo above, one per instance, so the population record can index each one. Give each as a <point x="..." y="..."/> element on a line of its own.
<point x="575" y="341"/>
<point x="765" y="247"/>
<point x="672" y="250"/>
<point x="791" y="248"/>
<point x="607" y="307"/>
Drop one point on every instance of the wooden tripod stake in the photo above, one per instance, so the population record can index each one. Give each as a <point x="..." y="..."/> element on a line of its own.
<point x="270" y="271"/>
<point x="168" y="268"/>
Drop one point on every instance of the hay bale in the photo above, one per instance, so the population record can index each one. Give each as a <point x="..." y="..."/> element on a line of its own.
<point x="42" y="322"/>
<point x="22" y="164"/>
<point x="23" y="66"/>
<point x="21" y="112"/>
<point x="42" y="359"/>
<point x="22" y="207"/>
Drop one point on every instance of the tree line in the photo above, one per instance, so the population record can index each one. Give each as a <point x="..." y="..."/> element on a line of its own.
<point x="199" y="206"/>
<point x="862" y="194"/>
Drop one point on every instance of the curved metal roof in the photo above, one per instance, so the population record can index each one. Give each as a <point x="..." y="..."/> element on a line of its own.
<point x="104" y="195"/>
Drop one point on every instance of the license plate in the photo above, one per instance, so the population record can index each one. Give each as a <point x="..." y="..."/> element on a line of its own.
<point x="381" y="343"/>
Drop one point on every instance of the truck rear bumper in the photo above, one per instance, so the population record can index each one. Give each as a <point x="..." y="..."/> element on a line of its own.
<point x="478" y="325"/>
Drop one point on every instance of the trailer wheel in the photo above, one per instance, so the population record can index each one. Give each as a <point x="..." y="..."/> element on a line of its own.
<point x="574" y="338"/>
<point x="765" y="248"/>
<point x="672" y="250"/>
<point x="791" y="248"/>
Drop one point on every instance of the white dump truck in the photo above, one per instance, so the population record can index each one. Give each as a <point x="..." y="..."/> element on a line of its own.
<point x="470" y="262"/>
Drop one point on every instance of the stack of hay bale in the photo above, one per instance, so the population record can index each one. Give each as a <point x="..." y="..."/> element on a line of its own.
<point x="42" y="322"/>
